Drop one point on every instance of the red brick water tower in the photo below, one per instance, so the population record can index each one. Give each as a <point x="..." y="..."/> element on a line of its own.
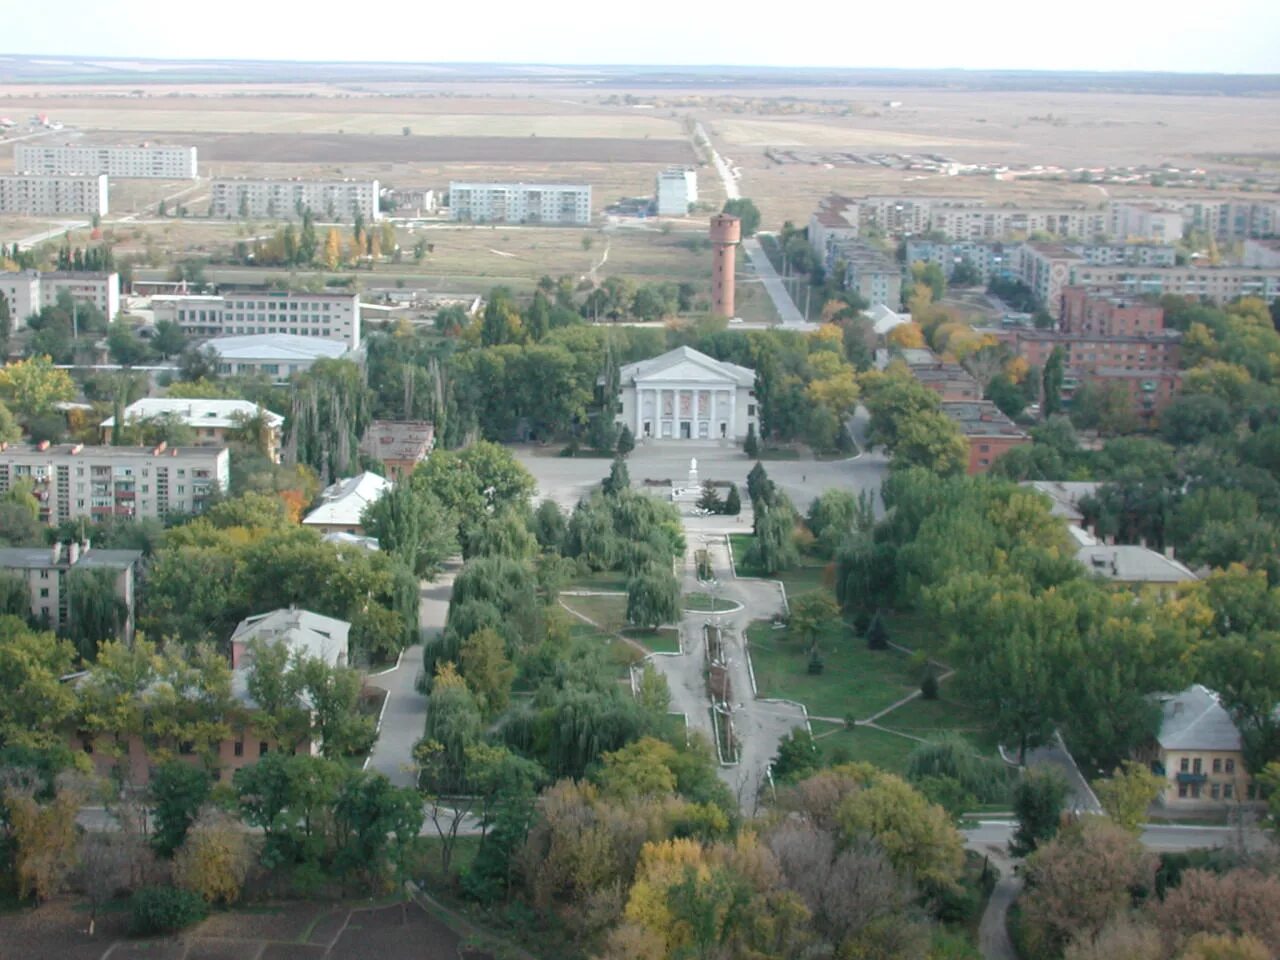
<point x="726" y="234"/>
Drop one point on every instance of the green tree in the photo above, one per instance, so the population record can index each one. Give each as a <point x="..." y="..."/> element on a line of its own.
<point x="375" y="826"/>
<point x="732" y="502"/>
<point x="618" y="480"/>
<point x="751" y="445"/>
<point x="812" y="613"/>
<point x="1052" y="378"/>
<point x="1127" y="794"/>
<point x="933" y="441"/>
<point x="95" y="611"/>
<point x="34" y="702"/>
<point x="176" y="793"/>
<point x="411" y="523"/>
<point x="626" y="441"/>
<point x="747" y="212"/>
<point x="549" y="526"/>
<point x="709" y="500"/>
<point x="773" y="548"/>
<point x="797" y="757"/>
<point x="1038" y="803"/>
<point x="489" y="674"/>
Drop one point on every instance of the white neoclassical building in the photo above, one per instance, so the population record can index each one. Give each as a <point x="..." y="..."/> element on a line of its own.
<point x="686" y="395"/>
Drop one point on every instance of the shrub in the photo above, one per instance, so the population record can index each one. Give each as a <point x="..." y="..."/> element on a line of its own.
<point x="158" y="910"/>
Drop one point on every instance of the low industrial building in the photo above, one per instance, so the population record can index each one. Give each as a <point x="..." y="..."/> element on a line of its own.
<point x="989" y="433"/>
<point x="686" y="395"/>
<point x="128" y="161"/>
<point x="45" y="571"/>
<point x="214" y="422"/>
<point x="74" y="480"/>
<point x="37" y="195"/>
<point x="342" y="504"/>
<point x="277" y="355"/>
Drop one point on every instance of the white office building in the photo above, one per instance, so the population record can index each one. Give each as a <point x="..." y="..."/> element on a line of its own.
<point x="686" y="395"/>
<point x="27" y="291"/>
<point x="37" y="195"/>
<point x="329" y="316"/>
<point x="271" y="199"/>
<point x="140" y="161"/>
<point x="520" y="202"/>
<point x="677" y="190"/>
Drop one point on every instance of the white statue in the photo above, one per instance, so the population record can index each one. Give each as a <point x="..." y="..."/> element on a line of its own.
<point x="693" y="465"/>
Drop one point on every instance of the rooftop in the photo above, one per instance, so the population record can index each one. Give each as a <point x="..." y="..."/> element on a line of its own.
<point x="398" y="439"/>
<point x="35" y="558"/>
<point x="686" y="355"/>
<point x="1196" y="720"/>
<point x="107" y="452"/>
<point x="277" y="346"/>
<point x="312" y="635"/>
<point x="342" y="504"/>
<point x="197" y="413"/>
<point x="1065" y="494"/>
<point x="1129" y="563"/>
<point x="981" y="418"/>
<point x="1056" y="250"/>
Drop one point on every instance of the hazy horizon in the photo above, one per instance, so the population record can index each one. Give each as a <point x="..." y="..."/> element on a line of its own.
<point x="1095" y="36"/>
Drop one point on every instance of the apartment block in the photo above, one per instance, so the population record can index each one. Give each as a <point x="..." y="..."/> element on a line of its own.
<point x="1262" y="253"/>
<point x="130" y="161"/>
<point x="1146" y="221"/>
<point x="1047" y="269"/>
<point x="1149" y="391"/>
<point x="1134" y="254"/>
<point x="331" y="316"/>
<point x="35" y="195"/>
<point x="1097" y="313"/>
<point x="1141" y="352"/>
<point x="676" y="190"/>
<point x="989" y="258"/>
<point x="1232" y="219"/>
<point x="868" y="271"/>
<point x="45" y="571"/>
<point x="520" y="202"/>
<point x="27" y="291"/>
<point x="1220" y="285"/>
<point x="73" y="480"/>
<point x="995" y="223"/>
<point x="274" y="199"/>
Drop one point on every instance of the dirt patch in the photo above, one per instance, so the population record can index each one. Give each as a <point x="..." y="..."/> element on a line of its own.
<point x="288" y="921"/>
<point x="396" y="933"/>
<point x="356" y="148"/>
<point x="203" y="949"/>
<point x="292" y="951"/>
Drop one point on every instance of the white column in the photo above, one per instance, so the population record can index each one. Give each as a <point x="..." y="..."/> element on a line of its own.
<point x="639" y="413"/>
<point x="733" y="413"/>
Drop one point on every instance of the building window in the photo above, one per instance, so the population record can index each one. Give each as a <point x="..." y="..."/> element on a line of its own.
<point x="44" y="591"/>
<point x="1231" y="765"/>
<point x="1182" y="790"/>
<point x="263" y="748"/>
<point x="1214" y="791"/>
<point x="1196" y="765"/>
<point x="1185" y="765"/>
<point x="1217" y="764"/>
<point x="1228" y="791"/>
<point x="238" y="748"/>
<point x="186" y="748"/>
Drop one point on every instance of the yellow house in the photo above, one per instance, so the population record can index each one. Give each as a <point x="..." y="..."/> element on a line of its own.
<point x="1199" y="752"/>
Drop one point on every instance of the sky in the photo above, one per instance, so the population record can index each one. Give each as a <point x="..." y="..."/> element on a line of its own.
<point x="1226" y="36"/>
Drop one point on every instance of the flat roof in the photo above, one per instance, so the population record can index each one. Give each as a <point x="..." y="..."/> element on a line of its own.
<point x="398" y="439"/>
<point x="108" y="452"/>
<point x="981" y="418"/>
<point x="35" y="558"/>
<point x="197" y="413"/>
<point x="276" y="346"/>
<point x="1129" y="563"/>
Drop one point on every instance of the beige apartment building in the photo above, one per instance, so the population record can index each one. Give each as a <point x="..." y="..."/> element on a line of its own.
<point x="36" y="195"/>
<point x="27" y="291"/>
<point x="128" y="161"/>
<point x="45" y="570"/>
<point x="74" y="480"/>
<point x="273" y="199"/>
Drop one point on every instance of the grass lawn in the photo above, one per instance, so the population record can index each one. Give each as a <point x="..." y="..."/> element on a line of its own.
<point x="928" y="718"/>
<point x="917" y="631"/>
<point x="609" y="612"/>
<point x="705" y="603"/>
<point x="855" y="680"/>
<point x="662" y="640"/>
<point x="886" y="750"/>
<point x="602" y="580"/>
<point x="809" y="574"/>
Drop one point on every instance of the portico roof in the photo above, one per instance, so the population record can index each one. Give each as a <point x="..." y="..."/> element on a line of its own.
<point x="685" y="365"/>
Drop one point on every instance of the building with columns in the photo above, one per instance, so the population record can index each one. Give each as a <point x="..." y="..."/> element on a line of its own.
<point x="686" y="395"/>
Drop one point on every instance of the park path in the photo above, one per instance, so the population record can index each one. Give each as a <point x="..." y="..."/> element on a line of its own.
<point x="404" y="714"/>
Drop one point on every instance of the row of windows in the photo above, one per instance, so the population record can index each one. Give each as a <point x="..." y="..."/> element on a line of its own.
<point x="1195" y="765"/>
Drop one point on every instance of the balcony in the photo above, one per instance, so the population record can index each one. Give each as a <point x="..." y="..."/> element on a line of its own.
<point x="1185" y="777"/>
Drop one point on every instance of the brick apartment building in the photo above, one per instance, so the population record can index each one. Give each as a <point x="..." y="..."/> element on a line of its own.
<point x="989" y="433"/>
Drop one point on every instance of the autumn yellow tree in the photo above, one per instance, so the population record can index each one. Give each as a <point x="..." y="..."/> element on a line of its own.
<point x="32" y="386"/>
<point x="332" y="249"/>
<point x="908" y="336"/>
<point x="1127" y="794"/>
<point x="215" y="859"/>
<point x="44" y="833"/>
